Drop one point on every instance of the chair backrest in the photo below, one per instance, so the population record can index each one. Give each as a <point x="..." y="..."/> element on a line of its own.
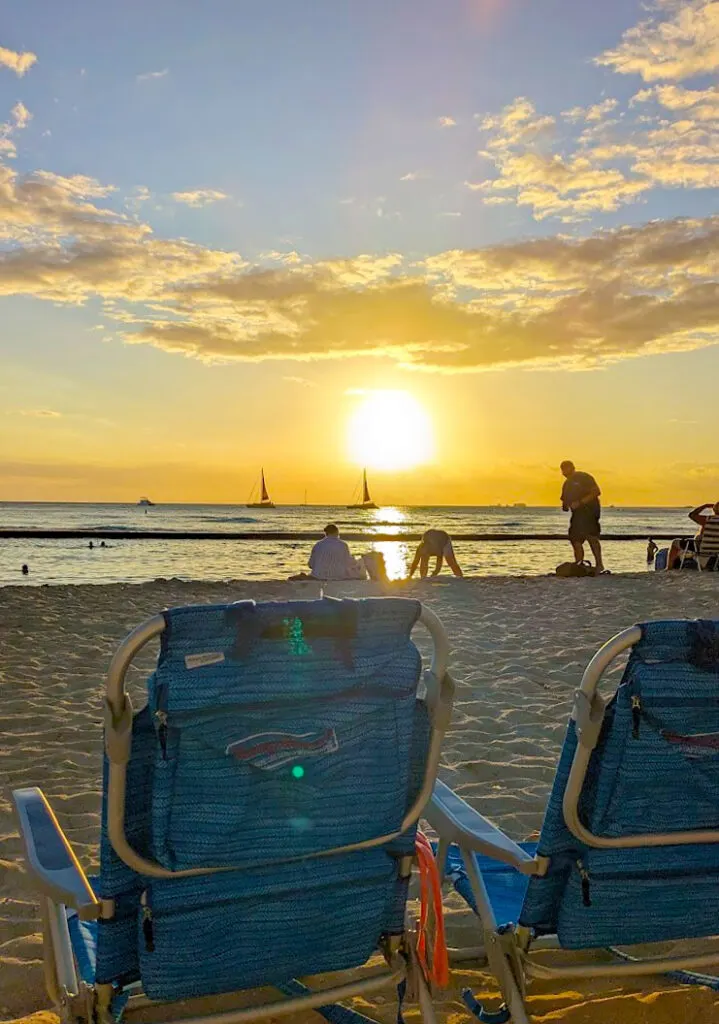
<point x="655" y="769"/>
<point x="273" y="734"/>
<point x="709" y="544"/>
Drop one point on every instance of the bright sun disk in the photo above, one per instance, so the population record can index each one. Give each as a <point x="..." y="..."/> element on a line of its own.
<point x="390" y="430"/>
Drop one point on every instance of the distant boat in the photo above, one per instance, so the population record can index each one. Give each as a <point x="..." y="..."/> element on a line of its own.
<point x="366" y="501"/>
<point x="519" y="504"/>
<point x="145" y="502"/>
<point x="265" y="500"/>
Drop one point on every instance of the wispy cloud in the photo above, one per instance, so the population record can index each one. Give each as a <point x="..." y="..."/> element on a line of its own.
<point x="147" y="76"/>
<point x="20" y="63"/>
<point x="535" y="170"/>
<point x="41" y="414"/>
<point x="199" y="197"/>
<point x="76" y="186"/>
<point x="302" y="381"/>
<point x="20" y="118"/>
<point x="592" y="114"/>
<point x="21" y="115"/>
<point x="681" y="46"/>
<point x="699" y="104"/>
<point x="411" y="176"/>
<point x="446" y="122"/>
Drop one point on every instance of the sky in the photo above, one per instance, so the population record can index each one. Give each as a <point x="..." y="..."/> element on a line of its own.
<point x="456" y="242"/>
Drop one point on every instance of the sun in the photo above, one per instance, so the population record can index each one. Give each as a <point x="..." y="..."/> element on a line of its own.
<point x="390" y="430"/>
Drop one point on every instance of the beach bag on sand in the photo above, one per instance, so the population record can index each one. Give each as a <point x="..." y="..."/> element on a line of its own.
<point x="374" y="564"/>
<point x="575" y="569"/>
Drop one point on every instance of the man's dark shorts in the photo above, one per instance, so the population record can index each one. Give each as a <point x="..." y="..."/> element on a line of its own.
<point x="584" y="524"/>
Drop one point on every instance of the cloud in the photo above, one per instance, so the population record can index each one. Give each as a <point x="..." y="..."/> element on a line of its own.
<point x="41" y="414"/>
<point x="411" y="176"/>
<point x="569" y="186"/>
<point x="17" y="62"/>
<point x="697" y="104"/>
<point x="77" y="186"/>
<point x="21" y="115"/>
<point x="552" y="301"/>
<point x="199" y="197"/>
<point x="291" y="258"/>
<point x="592" y="114"/>
<point x="596" y="159"/>
<point x="302" y="381"/>
<point x="446" y="122"/>
<point x="149" y="75"/>
<point x="681" y="46"/>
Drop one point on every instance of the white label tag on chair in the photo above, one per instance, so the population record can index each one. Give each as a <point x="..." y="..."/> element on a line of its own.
<point x="200" y="660"/>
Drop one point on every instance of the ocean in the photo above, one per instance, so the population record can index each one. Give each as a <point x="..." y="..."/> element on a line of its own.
<point x="135" y="561"/>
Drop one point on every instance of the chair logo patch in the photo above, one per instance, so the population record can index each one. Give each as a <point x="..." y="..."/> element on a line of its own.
<point x="271" y="750"/>
<point x="200" y="660"/>
<point x="699" y="746"/>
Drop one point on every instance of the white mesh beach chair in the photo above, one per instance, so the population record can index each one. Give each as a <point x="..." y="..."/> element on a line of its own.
<point x="702" y="551"/>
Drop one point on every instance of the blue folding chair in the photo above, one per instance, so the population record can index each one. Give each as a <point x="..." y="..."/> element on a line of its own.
<point x="259" y="813"/>
<point x="629" y="850"/>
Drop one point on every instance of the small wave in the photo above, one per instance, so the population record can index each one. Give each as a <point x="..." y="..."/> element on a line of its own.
<point x="108" y="526"/>
<point x="227" y="519"/>
<point x="401" y="527"/>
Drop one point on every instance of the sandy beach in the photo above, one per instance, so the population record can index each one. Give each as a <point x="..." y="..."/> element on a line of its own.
<point x="519" y="646"/>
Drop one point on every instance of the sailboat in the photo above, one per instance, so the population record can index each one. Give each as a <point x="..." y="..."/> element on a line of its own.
<point x="366" y="501"/>
<point x="265" y="501"/>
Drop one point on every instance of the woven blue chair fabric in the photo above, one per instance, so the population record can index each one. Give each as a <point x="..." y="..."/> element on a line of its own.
<point x="655" y="769"/>
<point x="285" y="730"/>
<point x="506" y="887"/>
<point x="305" y="717"/>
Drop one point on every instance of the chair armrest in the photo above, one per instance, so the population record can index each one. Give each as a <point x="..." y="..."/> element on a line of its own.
<point x="455" y="821"/>
<point x="50" y="859"/>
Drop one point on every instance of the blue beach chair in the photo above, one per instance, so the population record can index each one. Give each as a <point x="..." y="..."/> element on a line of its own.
<point x="259" y="813"/>
<point x="629" y="850"/>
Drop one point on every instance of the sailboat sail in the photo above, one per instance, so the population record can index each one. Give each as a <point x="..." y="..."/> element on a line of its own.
<point x="265" y="500"/>
<point x="365" y="489"/>
<point x="366" y="501"/>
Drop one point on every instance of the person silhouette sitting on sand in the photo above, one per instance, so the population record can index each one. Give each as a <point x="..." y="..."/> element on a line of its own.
<point x="330" y="559"/>
<point x="434" y="544"/>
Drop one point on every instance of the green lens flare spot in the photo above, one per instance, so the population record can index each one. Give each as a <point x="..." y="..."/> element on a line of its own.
<point x="298" y="771"/>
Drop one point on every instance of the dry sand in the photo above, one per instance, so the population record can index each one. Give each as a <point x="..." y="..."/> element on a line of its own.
<point x="519" y="646"/>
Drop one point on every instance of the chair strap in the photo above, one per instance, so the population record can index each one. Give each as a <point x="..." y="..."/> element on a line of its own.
<point x="430" y="888"/>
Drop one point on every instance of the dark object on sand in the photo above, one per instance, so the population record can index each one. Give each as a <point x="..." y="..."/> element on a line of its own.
<point x="567" y="569"/>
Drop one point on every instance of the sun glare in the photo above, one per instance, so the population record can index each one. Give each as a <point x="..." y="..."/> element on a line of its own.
<point x="390" y="430"/>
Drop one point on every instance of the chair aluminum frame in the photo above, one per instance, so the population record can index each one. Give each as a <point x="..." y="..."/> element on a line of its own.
<point x="507" y="952"/>
<point x="76" y="999"/>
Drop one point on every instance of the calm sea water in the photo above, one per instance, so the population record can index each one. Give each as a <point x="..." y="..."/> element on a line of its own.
<point x="71" y="561"/>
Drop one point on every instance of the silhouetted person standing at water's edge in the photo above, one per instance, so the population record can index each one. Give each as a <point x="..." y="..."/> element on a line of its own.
<point x="580" y="496"/>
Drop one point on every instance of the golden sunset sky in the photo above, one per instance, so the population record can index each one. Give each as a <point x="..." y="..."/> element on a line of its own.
<point x="457" y="242"/>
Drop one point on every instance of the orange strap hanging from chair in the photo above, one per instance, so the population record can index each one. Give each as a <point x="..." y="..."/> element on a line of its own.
<point x="430" y="889"/>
